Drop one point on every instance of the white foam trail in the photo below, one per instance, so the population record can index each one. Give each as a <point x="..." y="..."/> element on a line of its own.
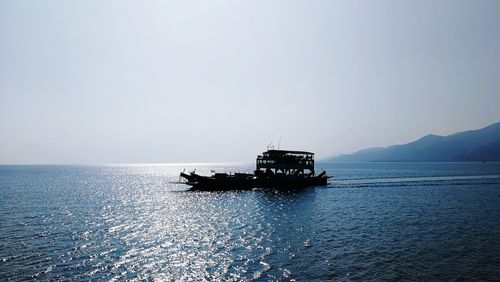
<point x="410" y="179"/>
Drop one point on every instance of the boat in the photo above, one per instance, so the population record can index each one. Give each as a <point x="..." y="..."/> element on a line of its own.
<point x="278" y="169"/>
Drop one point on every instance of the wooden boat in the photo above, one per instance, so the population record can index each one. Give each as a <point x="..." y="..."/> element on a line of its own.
<point x="279" y="169"/>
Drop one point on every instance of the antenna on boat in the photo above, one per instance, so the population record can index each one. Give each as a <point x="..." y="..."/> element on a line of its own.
<point x="279" y="142"/>
<point x="270" y="146"/>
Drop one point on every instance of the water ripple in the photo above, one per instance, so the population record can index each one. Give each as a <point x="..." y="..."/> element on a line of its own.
<point x="130" y="223"/>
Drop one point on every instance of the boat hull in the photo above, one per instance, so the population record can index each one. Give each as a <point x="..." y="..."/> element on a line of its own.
<point x="249" y="181"/>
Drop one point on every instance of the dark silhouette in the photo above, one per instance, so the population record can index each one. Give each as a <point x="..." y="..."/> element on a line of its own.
<point x="480" y="145"/>
<point x="274" y="169"/>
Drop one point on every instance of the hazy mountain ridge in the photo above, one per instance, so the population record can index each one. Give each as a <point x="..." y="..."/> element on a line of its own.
<point x="473" y="145"/>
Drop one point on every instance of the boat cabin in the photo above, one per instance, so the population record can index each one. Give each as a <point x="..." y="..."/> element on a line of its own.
<point x="285" y="162"/>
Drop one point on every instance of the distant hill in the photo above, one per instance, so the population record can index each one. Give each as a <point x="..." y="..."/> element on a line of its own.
<point x="474" y="145"/>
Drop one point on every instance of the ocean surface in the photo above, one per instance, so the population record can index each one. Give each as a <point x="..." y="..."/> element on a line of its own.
<point x="374" y="221"/>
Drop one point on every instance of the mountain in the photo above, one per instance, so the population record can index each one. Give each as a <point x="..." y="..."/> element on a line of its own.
<point x="474" y="145"/>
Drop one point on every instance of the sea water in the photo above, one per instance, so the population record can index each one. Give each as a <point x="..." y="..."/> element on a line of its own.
<point x="374" y="221"/>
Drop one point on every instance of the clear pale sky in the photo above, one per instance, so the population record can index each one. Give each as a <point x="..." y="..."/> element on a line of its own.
<point x="216" y="81"/>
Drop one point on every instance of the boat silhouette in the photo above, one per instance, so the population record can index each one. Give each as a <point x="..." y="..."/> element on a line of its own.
<point x="279" y="169"/>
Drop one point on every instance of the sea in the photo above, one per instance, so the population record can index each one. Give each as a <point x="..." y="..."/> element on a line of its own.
<point x="374" y="221"/>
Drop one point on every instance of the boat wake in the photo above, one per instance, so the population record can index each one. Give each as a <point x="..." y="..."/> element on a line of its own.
<point x="415" y="181"/>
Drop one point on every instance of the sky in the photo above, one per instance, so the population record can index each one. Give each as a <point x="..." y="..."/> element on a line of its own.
<point x="90" y="82"/>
